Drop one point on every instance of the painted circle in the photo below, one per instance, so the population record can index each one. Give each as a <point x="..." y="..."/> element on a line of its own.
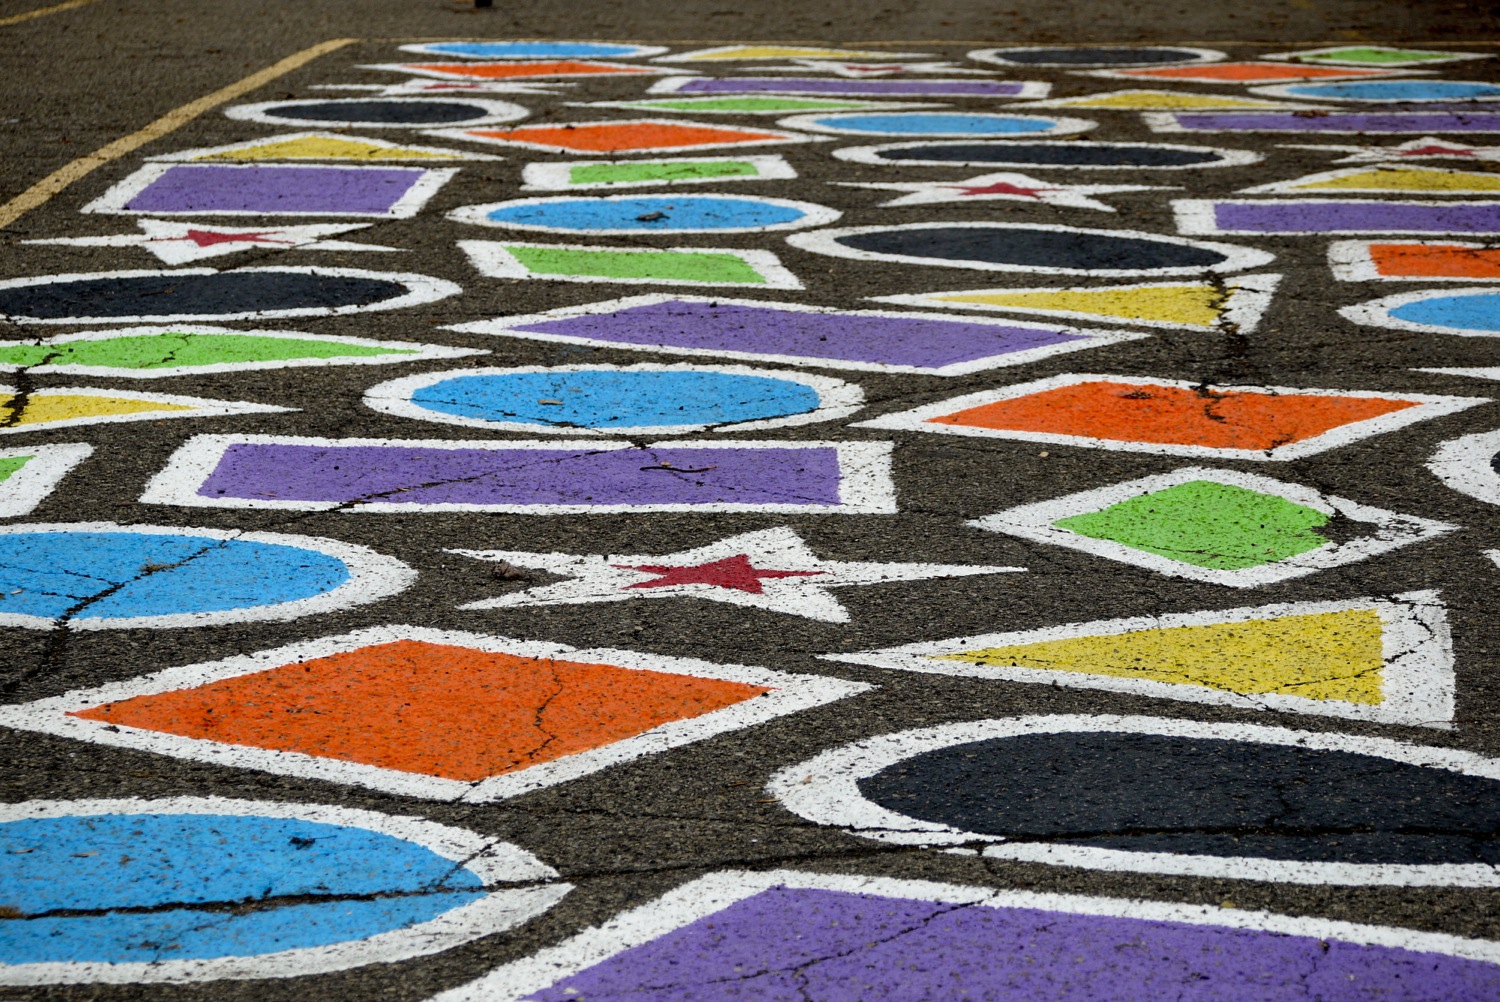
<point x="535" y="50"/>
<point x="629" y="214"/>
<point x="1394" y="91"/>
<point x="1053" y="156"/>
<point x="102" y="576"/>
<point x="200" y="889"/>
<point x="1473" y="312"/>
<point x="936" y="123"/>
<point x="1083" y="56"/>
<point x="380" y="112"/>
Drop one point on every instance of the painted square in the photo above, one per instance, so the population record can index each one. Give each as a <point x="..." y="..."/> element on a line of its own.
<point x="587" y="174"/>
<point x="639" y="136"/>
<point x="1173" y="417"/>
<point x="700" y="266"/>
<point x="428" y="713"/>
<point x="161" y="189"/>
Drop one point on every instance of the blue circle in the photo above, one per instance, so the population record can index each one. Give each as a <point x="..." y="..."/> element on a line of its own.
<point x="108" y="574"/>
<point x="531" y="50"/>
<point x="926" y="123"/>
<point x="649" y="213"/>
<point x="1396" y="90"/>
<point x="181" y="877"/>
<point x="617" y="398"/>
<point x="1475" y="312"/>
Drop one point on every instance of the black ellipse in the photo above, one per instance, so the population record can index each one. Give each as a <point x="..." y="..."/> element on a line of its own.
<point x="1039" y="248"/>
<point x="1097" y="56"/>
<point x="1061" y="154"/>
<point x="168" y="294"/>
<point x="1154" y="793"/>
<point x="378" y="112"/>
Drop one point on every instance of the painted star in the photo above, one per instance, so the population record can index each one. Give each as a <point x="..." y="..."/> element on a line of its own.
<point x="771" y="569"/>
<point x="425" y="86"/>
<point x="873" y="69"/>
<point x="1426" y="148"/>
<point x="180" y="243"/>
<point x="1005" y="187"/>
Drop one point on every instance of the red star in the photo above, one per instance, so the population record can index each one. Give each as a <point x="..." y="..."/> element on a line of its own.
<point x="207" y="238"/>
<point x="863" y="68"/>
<point x="1428" y="151"/>
<point x="732" y="572"/>
<point x="1001" y="188"/>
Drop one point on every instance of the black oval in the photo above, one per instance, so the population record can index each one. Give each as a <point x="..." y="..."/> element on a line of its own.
<point x="1103" y="55"/>
<point x="1037" y="248"/>
<point x="381" y="112"/>
<point x="179" y="294"/>
<point x="1199" y="796"/>
<point x="1051" y="155"/>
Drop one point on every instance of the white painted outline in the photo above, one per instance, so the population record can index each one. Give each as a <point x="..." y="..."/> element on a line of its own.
<point x="773" y="137"/>
<point x="1407" y="152"/>
<point x="1284" y="90"/>
<point x="1427" y="406"/>
<point x="488" y="858"/>
<point x="1183" y="121"/>
<point x="1388" y="530"/>
<point x="420" y="290"/>
<point x="607" y="69"/>
<point x="706" y="896"/>
<point x="508" y="327"/>
<point x="812" y="214"/>
<point x="725" y="54"/>
<point x="492" y="260"/>
<point x="836" y="399"/>
<point x="871" y="155"/>
<point x="693" y="104"/>
<point x="995" y="57"/>
<point x="1463" y="464"/>
<point x="833" y="798"/>
<point x="433" y="49"/>
<point x="1377" y="312"/>
<point x="495" y="112"/>
<point x="210" y="154"/>
<point x="794" y="87"/>
<point x="28" y="486"/>
<point x="1417" y="681"/>
<point x="865" y="485"/>
<point x="1351" y="261"/>
<point x="820" y="123"/>
<point x="1197" y="216"/>
<point x="1299" y="185"/>
<point x="1236" y="256"/>
<point x="372" y="577"/>
<point x="413" y="352"/>
<point x="1452" y="57"/>
<point x="541" y="176"/>
<point x="1248" y="297"/>
<point x="202" y="407"/>
<point x="1227" y="102"/>
<point x="790" y="694"/>
<point x="1354" y="73"/>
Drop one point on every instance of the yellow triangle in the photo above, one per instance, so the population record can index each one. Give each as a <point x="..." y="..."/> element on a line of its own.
<point x="1193" y="305"/>
<point x="1403" y="179"/>
<point x="45" y="408"/>
<point x="1326" y="656"/>
<point x="775" y="52"/>
<point x="1164" y="100"/>
<point x="325" y="148"/>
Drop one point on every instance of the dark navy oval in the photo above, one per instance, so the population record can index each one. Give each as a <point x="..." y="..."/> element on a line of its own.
<point x="1053" y="154"/>
<point x="177" y="294"/>
<point x="1073" y="249"/>
<point x="377" y="112"/>
<point x="1198" y="796"/>
<point x="1097" y="56"/>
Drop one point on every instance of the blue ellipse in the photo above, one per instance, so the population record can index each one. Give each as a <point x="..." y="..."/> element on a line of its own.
<point x="649" y="213"/>
<point x="1476" y="311"/>
<point x="923" y="123"/>
<point x="206" y="863"/>
<point x="1396" y="90"/>
<point x="611" y="398"/>
<point x="531" y="50"/>
<point x="107" y="574"/>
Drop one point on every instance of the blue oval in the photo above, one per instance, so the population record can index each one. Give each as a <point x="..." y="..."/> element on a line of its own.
<point x="926" y="123"/>
<point x="204" y="864"/>
<point x="1396" y="90"/>
<point x="108" y="574"/>
<point x="617" y="398"/>
<point x="535" y="50"/>
<point x="1475" y="311"/>
<point x="647" y="213"/>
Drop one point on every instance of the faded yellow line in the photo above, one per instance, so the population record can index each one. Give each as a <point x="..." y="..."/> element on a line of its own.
<point x="56" y="8"/>
<point x="60" y="179"/>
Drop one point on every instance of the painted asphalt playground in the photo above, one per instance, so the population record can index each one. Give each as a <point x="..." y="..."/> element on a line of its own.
<point x="499" y="508"/>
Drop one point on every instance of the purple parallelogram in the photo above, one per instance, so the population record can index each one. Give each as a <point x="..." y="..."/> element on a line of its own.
<point x="786" y="945"/>
<point x="272" y="190"/>
<point x="1308" y="216"/>
<point x="1420" y="123"/>
<point x="852" y="88"/>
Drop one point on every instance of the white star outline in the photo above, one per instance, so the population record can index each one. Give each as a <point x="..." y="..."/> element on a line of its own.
<point x="1073" y="196"/>
<point x="169" y="240"/>
<point x="1406" y="151"/>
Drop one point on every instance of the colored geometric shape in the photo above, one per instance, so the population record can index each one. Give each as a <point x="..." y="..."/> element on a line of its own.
<point x="741" y="53"/>
<point x="155" y="352"/>
<point x="525" y="477"/>
<point x="1391" y="123"/>
<point x="1313" y="217"/>
<point x="1080" y="56"/>
<point x="544" y="69"/>
<point x="1160" y="100"/>
<point x="206" y="294"/>
<point x="636" y="136"/>
<point x="428" y="713"/>
<point x="612" y="215"/>
<point x="66" y="407"/>
<point x="1233" y="801"/>
<point x="1207" y="306"/>
<point x="868" y="340"/>
<point x="535" y="50"/>
<point x="102" y="576"/>
<point x="1382" y="660"/>
<point x="753" y="104"/>
<point x="177" y="243"/>
<point x="1391" y="91"/>
<point x="1057" y="250"/>
<point x="1062" y="155"/>
<point x="1245" y="73"/>
<point x="379" y="112"/>
<point x="1233" y="529"/>
<point x="1471" y="464"/>
<point x="319" y="146"/>
<point x="27" y="476"/>
<point x="1466" y="312"/>
<point x="1392" y="178"/>
<point x="617" y="400"/>
<point x="826" y="937"/>
<point x="272" y="189"/>
<point x="703" y="266"/>
<point x="1174" y="418"/>
<point x="118" y="891"/>
<point x="1427" y="261"/>
<point x="1003" y="186"/>
<point x="825" y="87"/>
<point x="1425" y="148"/>
<point x="644" y="173"/>
<point x="1375" y="55"/>
<point x="937" y="124"/>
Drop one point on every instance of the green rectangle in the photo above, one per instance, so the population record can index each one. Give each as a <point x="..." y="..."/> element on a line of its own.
<point x="666" y="266"/>
<point x="648" y="171"/>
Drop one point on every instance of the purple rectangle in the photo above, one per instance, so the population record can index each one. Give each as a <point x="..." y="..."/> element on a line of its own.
<point x="1420" y="123"/>
<point x="272" y="190"/>
<point x="1307" y="216"/>
<point x="839" y="87"/>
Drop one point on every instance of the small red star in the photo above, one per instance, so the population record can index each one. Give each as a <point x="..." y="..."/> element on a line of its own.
<point x="1428" y="151"/>
<point x="734" y="572"/>
<point x="207" y="238"/>
<point x="1000" y="188"/>
<point x="863" y="68"/>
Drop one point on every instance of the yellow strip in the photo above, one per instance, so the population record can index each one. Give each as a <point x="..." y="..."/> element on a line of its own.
<point x="56" y="8"/>
<point x="60" y="179"/>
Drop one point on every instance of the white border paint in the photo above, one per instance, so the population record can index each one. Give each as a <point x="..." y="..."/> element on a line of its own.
<point x="208" y="154"/>
<point x="372" y="577"/>
<point x="411" y="352"/>
<point x="491" y="259"/>
<point x="996" y="57"/>
<point x="558" y="176"/>
<point x="1286" y="90"/>
<point x="1236" y="257"/>
<point x="486" y="857"/>
<point x="201" y="407"/>
<point x="730" y="53"/>
<point x="1144" y="102"/>
<point x="770" y="137"/>
<point x="962" y="88"/>
<point x="1451" y="57"/>
<point x="420" y="290"/>
<point x="1422" y="124"/>
<point x="24" y="489"/>
<point x="264" y="112"/>
<point x="1377" y="312"/>
<point x="790" y="694"/>
<point x="509" y="327"/>
<point x="1197" y="216"/>
<point x="600" y="69"/>
<point x="812" y="214"/>
<point x="836" y="399"/>
<point x="833" y="798"/>
<point x="695" y="104"/>
<point x="707" y="896"/>
<point x="1248" y="297"/>
<point x="829" y="123"/>
<point x="865" y="485"/>
<point x="1464" y="463"/>
<point x="1388" y="530"/>
<point x="871" y="155"/>
<point x="1351" y="261"/>
<point x="1320" y="74"/>
<point x="435" y="49"/>
<point x="1417" y="683"/>
<point x="1301" y="185"/>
